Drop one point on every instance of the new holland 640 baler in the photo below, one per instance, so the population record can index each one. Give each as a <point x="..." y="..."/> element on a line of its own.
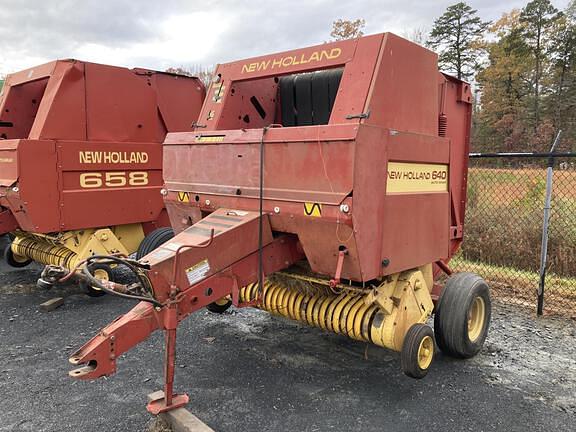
<point x="327" y="185"/>
<point x="81" y="159"/>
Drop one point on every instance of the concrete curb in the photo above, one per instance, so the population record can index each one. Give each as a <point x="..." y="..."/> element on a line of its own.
<point x="180" y="419"/>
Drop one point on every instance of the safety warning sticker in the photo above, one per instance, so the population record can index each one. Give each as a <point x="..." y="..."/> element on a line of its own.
<point x="313" y="209"/>
<point x="198" y="272"/>
<point x="183" y="197"/>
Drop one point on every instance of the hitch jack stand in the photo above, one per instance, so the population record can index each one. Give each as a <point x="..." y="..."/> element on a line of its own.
<point x="170" y="400"/>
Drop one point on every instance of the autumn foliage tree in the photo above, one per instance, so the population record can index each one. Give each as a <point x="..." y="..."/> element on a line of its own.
<point x="347" y="29"/>
<point x="505" y="87"/>
<point x="202" y="72"/>
<point x="538" y="19"/>
<point x="526" y="81"/>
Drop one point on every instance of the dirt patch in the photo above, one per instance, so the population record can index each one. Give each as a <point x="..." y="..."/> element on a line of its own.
<point x="158" y="425"/>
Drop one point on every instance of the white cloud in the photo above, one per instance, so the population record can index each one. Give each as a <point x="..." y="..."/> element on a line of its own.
<point x="180" y="40"/>
<point x="153" y="34"/>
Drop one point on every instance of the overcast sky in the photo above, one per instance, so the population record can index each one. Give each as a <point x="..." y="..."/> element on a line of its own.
<point x="162" y="33"/>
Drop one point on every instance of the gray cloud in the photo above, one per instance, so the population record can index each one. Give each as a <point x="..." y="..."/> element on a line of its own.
<point x="120" y="31"/>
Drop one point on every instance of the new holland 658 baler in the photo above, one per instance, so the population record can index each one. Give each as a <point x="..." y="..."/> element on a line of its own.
<point x="81" y="158"/>
<point x="327" y="185"/>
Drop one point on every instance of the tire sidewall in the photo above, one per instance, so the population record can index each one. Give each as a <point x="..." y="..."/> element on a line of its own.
<point x="89" y="290"/>
<point x="479" y="289"/>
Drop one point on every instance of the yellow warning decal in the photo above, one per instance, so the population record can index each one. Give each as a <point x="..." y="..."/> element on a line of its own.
<point x="416" y="177"/>
<point x="198" y="272"/>
<point x="313" y="209"/>
<point x="183" y="197"/>
<point x="215" y="138"/>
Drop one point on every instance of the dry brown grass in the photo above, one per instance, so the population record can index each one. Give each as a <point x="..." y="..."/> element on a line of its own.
<point x="504" y="219"/>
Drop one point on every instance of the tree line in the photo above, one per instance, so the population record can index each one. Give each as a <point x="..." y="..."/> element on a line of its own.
<point x="523" y="67"/>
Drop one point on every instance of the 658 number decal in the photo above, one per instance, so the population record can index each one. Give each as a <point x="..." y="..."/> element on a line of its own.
<point x="113" y="179"/>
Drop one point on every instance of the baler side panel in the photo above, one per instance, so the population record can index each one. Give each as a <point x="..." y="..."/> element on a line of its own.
<point x="36" y="206"/>
<point x="62" y="111"/>
<point x="120" y="107"/>
<point x="18" y="108"/>
<point x="179" y="100"/>
<point x="416" y="224"/>
<point x="370" y="166"/>
<point x="404" y="94"/>
<point x="232" y="168"/>
<point x="107" y="184"/>
<point x="458" y="111"/>
<point x="8" y="162"/>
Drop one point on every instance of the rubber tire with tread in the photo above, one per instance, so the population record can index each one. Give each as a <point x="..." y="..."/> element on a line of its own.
<point x="219" y="309"/>
<point x="451" y="315"/>
<point x="410" y="346"/>
<point x="9" y="257"/>
<point x="153" y="240"/>
<point x="91" y="291"/>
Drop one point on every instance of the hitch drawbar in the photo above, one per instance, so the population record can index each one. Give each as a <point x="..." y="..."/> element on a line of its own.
<point x="210" y="260"/>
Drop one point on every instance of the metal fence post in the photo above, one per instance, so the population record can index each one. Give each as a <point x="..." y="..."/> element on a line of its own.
<point x="545" y="224"/>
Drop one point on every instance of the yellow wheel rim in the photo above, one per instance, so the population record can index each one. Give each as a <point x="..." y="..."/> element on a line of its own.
<point x="425" y="352"/>
<point x="222" y="301"/>
<point x="476" y="317"/>
<point x="102" y="275"/>
<point x="19" y="258"/>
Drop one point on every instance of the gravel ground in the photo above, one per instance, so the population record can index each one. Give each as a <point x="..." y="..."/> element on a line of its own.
<point x="249" y="371"/>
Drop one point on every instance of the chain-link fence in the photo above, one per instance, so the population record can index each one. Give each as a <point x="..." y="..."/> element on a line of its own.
<point x="504" y="230"/>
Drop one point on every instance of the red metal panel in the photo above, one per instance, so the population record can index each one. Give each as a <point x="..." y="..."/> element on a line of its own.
<point x="36" y="205"/>
<point x="118" y="107"/>
<point x="416" y="230"/>
<point x="179" y="99"/>
<point x="368" y="213"/>
<point x="8" y="162"/>
<point x="31" y="74"/>
<point x="111" y="165"/>
<point x="290" y="161"/>
<point x="235" y="236"/>
<point x="62" y="111"/>
<point x="458" y="110"/>
<point x="18" y="107"/>
<point x="404" y="93"/>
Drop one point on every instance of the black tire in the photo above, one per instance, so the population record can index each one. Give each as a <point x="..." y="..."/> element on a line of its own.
<point x="156" y="238"/>
<point x="219" y="308"/>
<point x="12" y="260"/>
<point x="418" y="351"/>
<point x="463" y="296"/>
<point x="89" y="289"/>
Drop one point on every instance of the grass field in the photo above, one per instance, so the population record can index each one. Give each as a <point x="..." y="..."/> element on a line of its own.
<point x="503" y="233"/>
<point x="520" y="286"/>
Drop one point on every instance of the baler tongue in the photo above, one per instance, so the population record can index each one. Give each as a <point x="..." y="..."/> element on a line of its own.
<point x="210" y="260"/>
<point x="99" y="355"/>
